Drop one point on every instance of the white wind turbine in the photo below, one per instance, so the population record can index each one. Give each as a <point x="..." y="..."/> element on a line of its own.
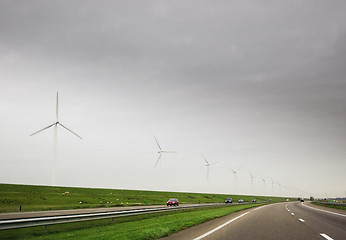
<point x="235" y="174"/>
<point x="264" y="182"/>
<point x="161" y="151"/>
<point x="208" y="165"/>
<point x="55" y="138"/>
<point x="252" y="177"/>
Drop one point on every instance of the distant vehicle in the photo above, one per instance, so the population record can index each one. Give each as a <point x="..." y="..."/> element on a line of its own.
<point x="312" y="199"/>
<point x="299" y="199"/>
<point x="254" y="200"/>
<point x="240" y="201"/>
<point x="302" y="199"/>
<point x="287" y="200"/>
<point x="173" y="202"/>
<point x="228" y="200"/>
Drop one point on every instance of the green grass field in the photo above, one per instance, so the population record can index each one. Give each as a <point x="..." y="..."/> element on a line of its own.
<point x="36" y="198"/>
<point x="151" y="226"/>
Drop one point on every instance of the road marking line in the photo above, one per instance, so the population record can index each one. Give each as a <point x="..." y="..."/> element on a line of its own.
<point x="339" y="214"/>
<point x="302" y="220"/>
<point x="219" y="227"/>
<point x="326" y="236"/>
<point x="259" y="208"/>
<point x="226" y="223"/>
<point x="292" y="214"/>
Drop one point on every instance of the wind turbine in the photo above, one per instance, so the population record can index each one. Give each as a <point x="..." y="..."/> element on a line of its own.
<point x="252" y="177"/>
<point x="161" y="151"/>
<point x="208" y="165"/>
<point x="55" y="137"/>
<point x="264" y="182"/>
<point x="235" y="174"/>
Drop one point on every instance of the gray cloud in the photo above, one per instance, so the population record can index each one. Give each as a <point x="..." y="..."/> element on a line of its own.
<point x="259" y="85"/>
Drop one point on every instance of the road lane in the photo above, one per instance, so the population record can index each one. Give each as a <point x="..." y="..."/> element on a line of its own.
<point x="326" y="222"/>
<point x="276" y="221"/>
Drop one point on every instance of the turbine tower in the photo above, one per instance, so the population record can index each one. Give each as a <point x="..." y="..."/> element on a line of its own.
<point x="55" y="138"/>
<point x="264" y="182"/>
<point x="208" y="165"/>
<point x="252" y="177"/>
<point x="235" y="175"/>
<point x="161" y="151"/>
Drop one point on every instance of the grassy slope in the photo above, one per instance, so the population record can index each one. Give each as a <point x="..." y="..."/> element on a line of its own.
<point x="34" y="198"/>
<point x="135" y="228"/>
<point x="330" y="206"/>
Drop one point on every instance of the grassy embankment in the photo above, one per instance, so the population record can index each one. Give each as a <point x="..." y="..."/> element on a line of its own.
<point x="330" y="206"/>
<point x="152" y="226"/>
<point x="36" y="198"/>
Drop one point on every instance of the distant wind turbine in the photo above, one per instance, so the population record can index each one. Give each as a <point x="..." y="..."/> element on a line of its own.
<point x="252" y="177"/>
<point x="55" y="137"/>
<point x="161" y="151"/>
<point x="208" y="165"/>
<point x="264" y="182"/>
<point x="235" y="174"/>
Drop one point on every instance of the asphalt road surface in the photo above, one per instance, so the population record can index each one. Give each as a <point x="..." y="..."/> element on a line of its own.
<point x="291" y="220"/>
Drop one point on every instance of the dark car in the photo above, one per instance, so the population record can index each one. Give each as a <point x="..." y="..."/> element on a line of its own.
<point x="254" y="200"/>
<point x="173" y="202"/>
<point x="228" y="200"/>
<point x="302" y="199"/>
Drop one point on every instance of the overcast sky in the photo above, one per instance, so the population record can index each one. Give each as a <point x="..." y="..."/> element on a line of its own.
<point x="259" y="85"/>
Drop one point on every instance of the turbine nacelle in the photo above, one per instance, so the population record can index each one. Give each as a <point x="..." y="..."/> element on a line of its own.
<point x="161" y="151"/>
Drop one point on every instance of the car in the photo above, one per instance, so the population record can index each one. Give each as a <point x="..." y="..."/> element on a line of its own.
<point x="302" y="200"/>
<point x="228" y="200"/>
<point x="240" y="201"/>
<point x="254" y="200"/>
<point x="173" y="202"/>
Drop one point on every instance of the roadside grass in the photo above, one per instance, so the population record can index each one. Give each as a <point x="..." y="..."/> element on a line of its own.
<point x="40" y="198"/>
<point x="149" y="226"/>
<point x="330" y="206"/>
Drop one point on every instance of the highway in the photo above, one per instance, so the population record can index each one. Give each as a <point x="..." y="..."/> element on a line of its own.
<point x="43" y="218"/>
<point x="290" y="220"/>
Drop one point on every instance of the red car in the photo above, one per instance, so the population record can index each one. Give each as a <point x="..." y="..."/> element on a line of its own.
<point x="173" y="202"/>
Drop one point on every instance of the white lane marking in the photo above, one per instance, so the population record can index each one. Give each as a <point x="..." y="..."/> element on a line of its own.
<point x="339" y="214"/>
<point x="222" y="225"/>
<point x="292" y="214"/>
<point x="302" y="220"/>
<point x="326" y="236"/>
<point x="219" y="227"/>
<point x="259" y="208"/>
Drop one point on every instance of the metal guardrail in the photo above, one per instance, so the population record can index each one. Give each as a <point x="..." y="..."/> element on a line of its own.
<point x="44" y="221"/>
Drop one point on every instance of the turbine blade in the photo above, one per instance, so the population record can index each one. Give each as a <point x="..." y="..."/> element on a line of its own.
<point x="57" y="107"/>
<point x="158" y="143"/>
<point x="42" y="129"/>
<point x="169" y="152"/>
<point x="212" y="163"/>
<point x="158" y="160"/>
<point x="70" y="130"/>
<point x="205" y="160"/>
